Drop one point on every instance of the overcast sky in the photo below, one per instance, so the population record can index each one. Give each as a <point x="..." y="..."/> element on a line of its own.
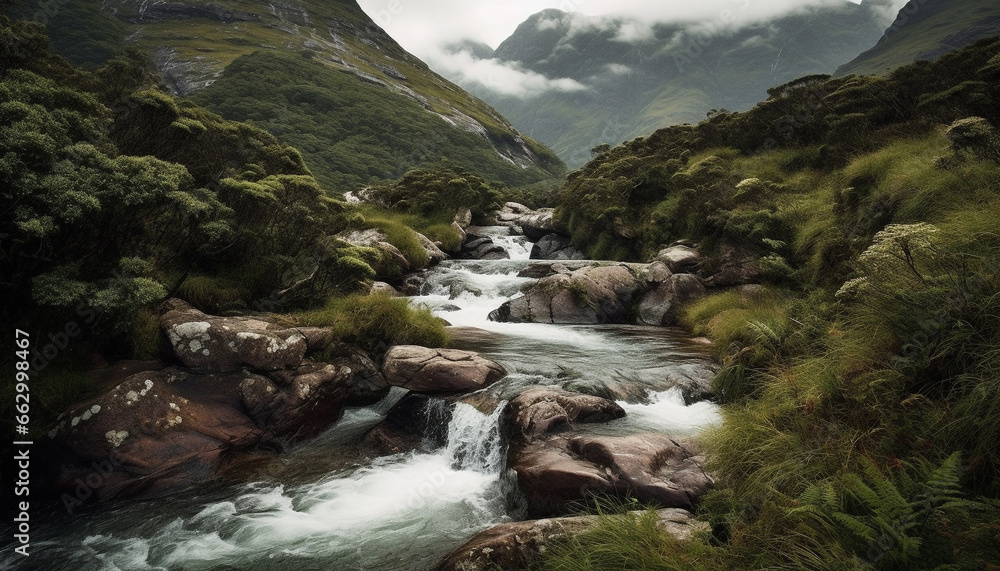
<point x="424" y="27"/>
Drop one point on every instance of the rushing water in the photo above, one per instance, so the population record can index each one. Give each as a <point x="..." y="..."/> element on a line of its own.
<point x="325" y="506"/>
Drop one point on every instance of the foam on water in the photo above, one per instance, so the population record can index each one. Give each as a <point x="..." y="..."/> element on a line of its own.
<point x="666" y="412"/>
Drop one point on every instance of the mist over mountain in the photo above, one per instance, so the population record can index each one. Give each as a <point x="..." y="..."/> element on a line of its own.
<point x="593" y="80"/>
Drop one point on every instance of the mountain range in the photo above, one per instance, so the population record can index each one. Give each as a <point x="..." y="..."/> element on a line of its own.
<point x="321" y="76"/>
<point x="622" y="78"/>
<point x="926" y="30"/>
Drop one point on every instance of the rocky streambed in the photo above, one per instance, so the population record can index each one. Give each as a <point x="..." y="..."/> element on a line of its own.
<point x="251" y="452"/>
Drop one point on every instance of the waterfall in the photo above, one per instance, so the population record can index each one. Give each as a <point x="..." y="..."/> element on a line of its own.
<point x="474" y="441"/>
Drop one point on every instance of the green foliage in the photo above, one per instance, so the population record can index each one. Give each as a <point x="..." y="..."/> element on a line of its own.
<point x="626" y="541"/>
<point x="350" y="132"/>
<point x="439" y="194"/>
<point x="881" y="525"/>
<point x="375" y="322"/>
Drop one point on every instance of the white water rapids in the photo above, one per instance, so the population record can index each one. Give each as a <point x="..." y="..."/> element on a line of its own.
<point x="325" y="506"/>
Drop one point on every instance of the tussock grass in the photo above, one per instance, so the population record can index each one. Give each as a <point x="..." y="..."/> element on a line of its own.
<point x="375" y="322"/>
<point x="627" y="541"/>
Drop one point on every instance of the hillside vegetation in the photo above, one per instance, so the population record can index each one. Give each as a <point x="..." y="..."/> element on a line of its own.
<point x="320" y="76"/>
<point x="631" y="83"/>
<point x="926" y="29"/>
<point x="121" y="196"/>
<point x="862" y="383"/>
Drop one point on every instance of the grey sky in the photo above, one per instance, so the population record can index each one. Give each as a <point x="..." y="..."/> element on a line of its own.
<point x="423" y="27"/>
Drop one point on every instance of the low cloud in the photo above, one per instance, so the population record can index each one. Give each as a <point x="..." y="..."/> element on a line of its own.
<point x="505" y="78"/>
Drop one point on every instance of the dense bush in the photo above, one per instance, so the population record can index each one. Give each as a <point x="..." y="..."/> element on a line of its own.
<point x="439" y="194"/>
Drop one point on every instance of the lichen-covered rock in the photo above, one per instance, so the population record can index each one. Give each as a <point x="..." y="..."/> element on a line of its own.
<point x="226" y="344"/>
<point x="517" y="545"/>
<point x="421" y="369"/>
<point x="167" y="430"/>
<point x="374" y="238"/>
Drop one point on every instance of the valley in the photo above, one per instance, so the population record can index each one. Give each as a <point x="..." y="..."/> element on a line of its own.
<point x="295" y="299"/>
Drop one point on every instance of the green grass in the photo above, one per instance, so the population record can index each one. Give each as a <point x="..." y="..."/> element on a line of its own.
<point x="627" y="541"/>
<point x="375" y="322"/>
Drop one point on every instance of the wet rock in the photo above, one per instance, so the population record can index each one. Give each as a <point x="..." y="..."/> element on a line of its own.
<point x="559" y="471"/>
<point x="421" y="369"/>
<point x="483" y="248"/>
<point x="160" y="432"/>
<point x="413" y="285"/>
<point x="305" y="402"/>
<point x="555" y="247"/>
<point x="414" y="420"/>
<point x="661" y="306"/>
<point x="366" y="385"/>
<point x="680" y="258"/>
<point x="226" y="344"/>
<point x="518" y="545"/>
<point x="597" y="294"/>
<point x="541" y="411"/>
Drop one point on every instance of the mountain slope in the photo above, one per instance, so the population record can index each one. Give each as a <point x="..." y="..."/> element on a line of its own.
<point x="926" y="29"/>
<point x="638" y="78"/>
<point x="336" y="47"/>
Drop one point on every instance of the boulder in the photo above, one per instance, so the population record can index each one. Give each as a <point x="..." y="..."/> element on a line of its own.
<point x="163" y="431"/>
<point x="420" y="369"/>
<point x="538" y="224"/>
<point x="738" y="265"/>
<point x="661" y="306"/>
<point x="596" y="294"/>
<point x="301" y="402"/>
<point x="383" y="288"/>
<point x="535" y="224"/>
<point x="413" y="284"/>
<point x="413" y="421"/>
<point x="518" y="545"/>
<point x="226" y="344"/>
<point x="680" y="258"/>
<point x="483" y="248"/>
<point x="434" y="253"/>
<point x="462" y="236"/>
<point x="555" y="247"/>
<point x="366" y="385"/>
<point x="463" y="218"/>
<point x="657" y="273"/>
<point x="560" y="471"/>
<point x="374" y="238"/>
<point x="541" y="411"/>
